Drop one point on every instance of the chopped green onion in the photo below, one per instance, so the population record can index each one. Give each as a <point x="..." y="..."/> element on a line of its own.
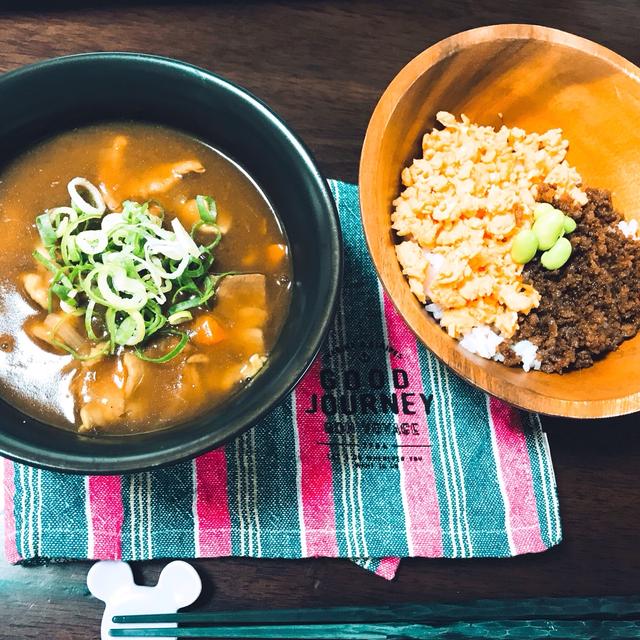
<point x="46" y="230"/>
<point x="48" y="264"/>
<point x="179" y="317"/>
<point x="78" y="200"/>
<point x="76" y="354"/>
<point x="182" y="343"/>
<point x="124" y="271"/>
<point x="207" y="209"/>
<point x="112" y="327"/>
<point x="88" y="321"/>
<point x="131" y="330"/>
<point x="60" y="222"/>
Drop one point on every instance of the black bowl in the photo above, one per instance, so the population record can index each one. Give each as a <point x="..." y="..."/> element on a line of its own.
<point x="45" y="98"/>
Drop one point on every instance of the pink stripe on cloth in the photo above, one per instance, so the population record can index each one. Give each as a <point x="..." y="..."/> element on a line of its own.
<point x="387" y="568"/>
<point x="10" y="548"/>
<point x="214" y="521"/>
<point x="515" y="468"/>
<point x="424" y="532"/>
<point x="316" y="480"/>
<point x="107" y="515"/>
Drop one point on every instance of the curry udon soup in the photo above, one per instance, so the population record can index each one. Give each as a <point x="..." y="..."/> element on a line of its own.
<point x="145" y="279"/>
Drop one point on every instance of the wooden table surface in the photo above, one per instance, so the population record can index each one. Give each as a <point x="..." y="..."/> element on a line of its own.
<point x="322" y="66"/>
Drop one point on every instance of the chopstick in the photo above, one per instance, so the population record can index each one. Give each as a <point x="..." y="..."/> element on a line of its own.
<point x="569" y="618"/>
<point x="612" y="608"/>
<point x="513" y="629"/>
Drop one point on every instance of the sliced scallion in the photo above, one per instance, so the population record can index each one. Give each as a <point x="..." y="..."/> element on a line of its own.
<point x="180" y="317"/>
<point x="123" y="271"/>
<point x="207" y="209"/>
<point x="182" y="343"/>
<point x="46" y="230"/>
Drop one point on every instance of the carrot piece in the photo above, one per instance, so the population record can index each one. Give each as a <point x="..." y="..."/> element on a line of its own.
<point x="250" y="259"/>
<point x="275" y="253"/>
<point x="188" y="213"/>
<point x="207" y="331"/>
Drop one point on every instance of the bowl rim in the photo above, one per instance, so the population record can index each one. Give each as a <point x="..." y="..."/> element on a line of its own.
<point x="20" y="452"/>
<point x="384" y="109"/>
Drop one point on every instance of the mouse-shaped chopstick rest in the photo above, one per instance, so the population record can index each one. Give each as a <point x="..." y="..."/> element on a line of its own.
<point x="112" y="582"/>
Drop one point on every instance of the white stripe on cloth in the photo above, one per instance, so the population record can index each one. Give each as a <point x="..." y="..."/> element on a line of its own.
<point x="449" y="454"/>
<point x="194" y="508"/>
<point x="256" y="512"/>
<point x="39" y="511"/>
<point x="362" y="551"/>
<point x="4" y="506"/>
<point x="239" y="494"/>
<point x="456" y="451"/>
<point x="141" y="516"/>
<point x="443" y="382"/>
<point x="438" y="418"/>
<point x="296" y="443"/>
<point x="32" y="510"/>
<point x="23" y="522"/>
<point x="149" y="538"/>
<point x="344" y="452"/>
<point x="132" y="486"/>
<point x="89" y="518"/>
<point x="551" y="477"/>
<point x="547" y="477"/>
<point x="247" y="503"/>
<point x="552" y="480"/>
<point x="396" y="420"/>
<point x="547" y="506"/>
<point x="500" y="476"/>
<point x="354" y="451"/>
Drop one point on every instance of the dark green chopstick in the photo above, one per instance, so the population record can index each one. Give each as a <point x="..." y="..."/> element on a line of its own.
<point x="494" y="630"/>
<point x="613" y="608"/>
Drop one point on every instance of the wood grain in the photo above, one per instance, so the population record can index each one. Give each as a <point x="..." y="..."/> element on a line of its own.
<point x="323" y="66"/>
<point x="535" y="78"/>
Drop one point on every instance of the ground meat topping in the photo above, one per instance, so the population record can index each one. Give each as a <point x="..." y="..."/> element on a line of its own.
<point x="591" y="305"/>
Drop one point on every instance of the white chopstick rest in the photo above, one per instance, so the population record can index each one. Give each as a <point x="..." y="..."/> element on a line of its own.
<point x="112" y="582"/>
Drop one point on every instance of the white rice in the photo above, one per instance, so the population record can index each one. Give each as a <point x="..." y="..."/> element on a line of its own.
<point x="482" y="341"/>
<point x="435" y="262"/>
<point x="629" y="228"/>
<point x="435" y="310"/>
<point x="527" y="352"/>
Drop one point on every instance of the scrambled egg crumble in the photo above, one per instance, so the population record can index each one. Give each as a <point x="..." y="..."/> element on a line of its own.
<point x="465" y="199"/>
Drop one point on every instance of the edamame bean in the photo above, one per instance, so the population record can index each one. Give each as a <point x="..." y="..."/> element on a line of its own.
<point x="555" y="257"/>
<point x="549" y="227"/>
<point x="542" y="208"/>
<point x="524" y="246"/>
<point x="569" y="224"/>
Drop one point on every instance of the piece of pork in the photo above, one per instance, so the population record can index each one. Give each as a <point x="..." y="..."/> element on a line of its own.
<point x="110" y="172"/>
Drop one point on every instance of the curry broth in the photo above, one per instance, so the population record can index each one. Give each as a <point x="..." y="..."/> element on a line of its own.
<point x="251" y="309"/>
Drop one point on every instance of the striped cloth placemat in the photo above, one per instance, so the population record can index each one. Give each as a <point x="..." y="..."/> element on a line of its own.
<point x="380" y="453"/>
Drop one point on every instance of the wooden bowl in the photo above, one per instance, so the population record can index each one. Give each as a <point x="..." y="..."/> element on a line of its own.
<point x="537" y="78"/>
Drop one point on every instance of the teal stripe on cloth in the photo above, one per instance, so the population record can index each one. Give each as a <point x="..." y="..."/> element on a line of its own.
<point x="246" y="536"/>
<point x="277" y="502"/>
<point x="50" y="510"/>
<point x="157" y="509"/>
<point x="357" y="346"/>
<point x="170" y="517"/>
<point x="483" y="504"/>
<point x="235" y="499"/>
<point x="132" y="543"/>
<point x="543" y="481"/>
<point x="349" y="426"/>
<point x="449" y="515"/>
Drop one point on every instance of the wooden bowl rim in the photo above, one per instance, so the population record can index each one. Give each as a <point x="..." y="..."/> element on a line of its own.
<point x="387" y="104"/>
